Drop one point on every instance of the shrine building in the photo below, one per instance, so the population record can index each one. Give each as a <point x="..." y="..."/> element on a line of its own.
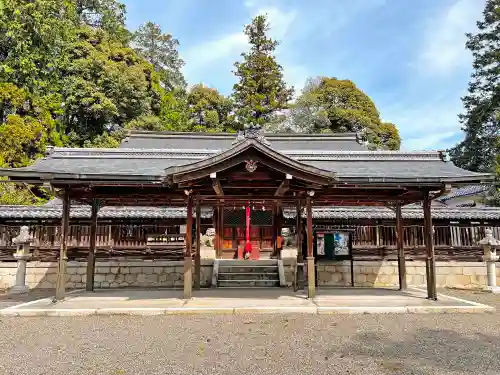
<point x="250" y="201"/>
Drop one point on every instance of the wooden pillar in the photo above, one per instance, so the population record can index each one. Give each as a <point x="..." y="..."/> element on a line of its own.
<point x="430" y="262"/>
<point x="197" y="258"/>
<point x="311" y="279"/>
<point x="401" y="250"/>
<point x="63" y="250"/>
<point x="92" y="247"/>
<point x="215" y="223"/>
<point x="300" y="258"/>
<point x="275" y="229"/>
<point x="279" y="228"/>
<point x="188" y="260"/>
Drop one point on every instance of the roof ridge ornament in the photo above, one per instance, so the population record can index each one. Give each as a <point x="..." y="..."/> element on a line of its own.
<point x="361" y="138"/>
<point x="252" y="131"/>
<point x="444" y="155"/>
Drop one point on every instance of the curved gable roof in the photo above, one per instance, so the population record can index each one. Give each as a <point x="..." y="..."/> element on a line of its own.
<point x="229" y="158"/>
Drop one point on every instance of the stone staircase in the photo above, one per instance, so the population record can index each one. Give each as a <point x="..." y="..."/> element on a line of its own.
<point x="247" y="273"/>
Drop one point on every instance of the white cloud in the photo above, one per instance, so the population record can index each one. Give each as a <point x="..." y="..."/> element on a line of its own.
<point x="428" y="141"/>
<point x="227" y="48"/>
<point x="443" y="48"/>
<point x="296" y="76"/>
<point x="201" y="55"/>
<point x="279" y="21"/>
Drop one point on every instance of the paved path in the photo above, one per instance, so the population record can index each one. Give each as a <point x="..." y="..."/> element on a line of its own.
<point x="419" y="344"/>
<point x="157" y="302"/>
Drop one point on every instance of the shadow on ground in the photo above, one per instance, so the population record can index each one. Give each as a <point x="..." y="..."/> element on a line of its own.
<point x="428" y="351"/>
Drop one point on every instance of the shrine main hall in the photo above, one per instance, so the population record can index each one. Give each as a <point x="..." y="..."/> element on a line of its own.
<point x="241" y="193"/>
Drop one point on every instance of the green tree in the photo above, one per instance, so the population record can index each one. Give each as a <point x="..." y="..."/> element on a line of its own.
<point x="481" y="120"/>
<point x="333" y="105"/>
<point x="106" y="85"/>
<point x="107" y="15"/>
<point x="161" y="51"/>
<point x="480" y="149"/>
<point x="209" y="110"/>
<point x="27" y="126"/>
<point x="174" y="111"/>
<point x="33" y="37"/>
<point x="389" y="136"/>
<point x="260" y="91"/>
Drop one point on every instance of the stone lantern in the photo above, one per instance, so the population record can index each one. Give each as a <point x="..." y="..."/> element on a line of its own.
<point x="490" y="256"/>
<point x="22" y="255"/>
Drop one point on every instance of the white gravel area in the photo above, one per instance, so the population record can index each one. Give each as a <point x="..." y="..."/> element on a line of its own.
<point x="256" y="344"/>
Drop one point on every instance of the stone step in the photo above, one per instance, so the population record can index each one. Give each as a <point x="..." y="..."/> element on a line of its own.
<point x="247" y="269"/>
<point x="248" y="262"/>
<point x="248" y="283"/>
<point x="249" y="276"/>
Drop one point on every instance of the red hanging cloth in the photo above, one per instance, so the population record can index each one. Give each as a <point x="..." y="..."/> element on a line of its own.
<point x="248" y="244"/>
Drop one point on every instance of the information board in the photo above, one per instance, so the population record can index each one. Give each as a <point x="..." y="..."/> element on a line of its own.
<point x="333" y="245"/>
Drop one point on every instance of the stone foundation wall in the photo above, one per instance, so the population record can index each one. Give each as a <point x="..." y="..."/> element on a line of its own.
<point x="108" y="274"/>
<point x="385" y="273"/>
<point x="114" y="274"/>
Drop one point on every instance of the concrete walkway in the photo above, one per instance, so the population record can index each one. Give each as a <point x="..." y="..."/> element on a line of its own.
<point x="231" y="301"/>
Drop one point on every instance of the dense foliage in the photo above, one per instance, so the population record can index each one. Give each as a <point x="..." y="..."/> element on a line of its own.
<point x="480" y="150"/>
<point x="333" y="105"/>
<point x="72" y="74"/>
<point x="260" y="91"/>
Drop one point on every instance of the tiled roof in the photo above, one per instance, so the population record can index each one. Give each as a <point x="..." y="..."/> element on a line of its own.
<point x="146" y="157"/>
<point x="465" y="191"/>
<point x="83" y="212"/>
<point x="411" y="212"/>
<point x="347" y="165"/>
<point x="223" y="141"/>
<point x="340" y="213"/>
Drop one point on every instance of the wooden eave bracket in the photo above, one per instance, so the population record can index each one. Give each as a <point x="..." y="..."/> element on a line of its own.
<point x="283" y="188"/>
<point x="216" y="184"/>
<point x="444" y="190"/>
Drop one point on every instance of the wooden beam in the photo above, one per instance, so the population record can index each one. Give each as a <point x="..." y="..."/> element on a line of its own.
<point x="311" y="279"/>
<point x="92" y="246"/>
<point x="188" y="260"/>
<point x="400" y="245"/>
<point x="283" y="188"/>
<point x="197" y="259"/>
<point x="63" y="249"/>
<point x="430" y="261"/>
<point x="217" y="187"/>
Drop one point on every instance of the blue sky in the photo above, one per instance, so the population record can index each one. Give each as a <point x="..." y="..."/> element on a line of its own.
<point x="407" y="55"/>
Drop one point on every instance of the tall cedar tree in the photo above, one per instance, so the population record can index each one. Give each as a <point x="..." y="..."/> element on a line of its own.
<point x="161" y="51"/>
<point x="480" y="150"/>
<point x="481" y="120"/>
<point x="261" y="90"/>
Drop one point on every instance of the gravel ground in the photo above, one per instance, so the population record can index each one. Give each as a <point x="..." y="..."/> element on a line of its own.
<point x="256" y="344"/>
<point x="7" y="300"/>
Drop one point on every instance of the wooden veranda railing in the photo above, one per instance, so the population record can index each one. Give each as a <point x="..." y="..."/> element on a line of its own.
<point x="130" y="241"/>
<point x="459" y="242"/>
<point x="149" y="241"/>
